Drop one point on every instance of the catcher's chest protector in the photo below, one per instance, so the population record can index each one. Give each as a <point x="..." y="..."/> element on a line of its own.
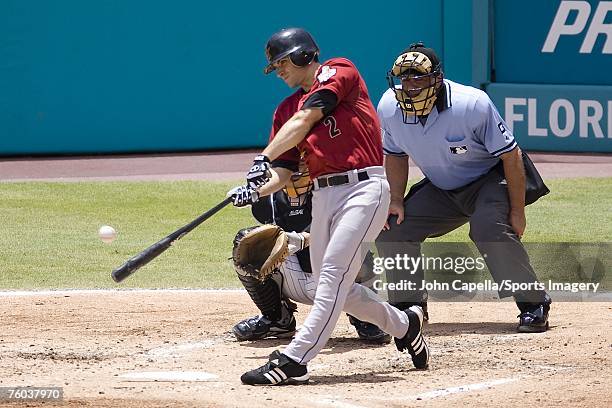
<point x="276" y="209"/>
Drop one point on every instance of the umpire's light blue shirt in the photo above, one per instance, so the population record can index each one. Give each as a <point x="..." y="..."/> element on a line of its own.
<point x="462" y="139"/>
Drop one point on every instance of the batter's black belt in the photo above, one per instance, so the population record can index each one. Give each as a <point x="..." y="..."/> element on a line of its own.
<point x="339" y="180"/>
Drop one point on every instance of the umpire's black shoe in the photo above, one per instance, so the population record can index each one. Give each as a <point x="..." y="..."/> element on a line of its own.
<point x="534" y="320"/>
<point x="279" y="370"/>
<point x="368" y="332"/>
<point x="414" y="341"/>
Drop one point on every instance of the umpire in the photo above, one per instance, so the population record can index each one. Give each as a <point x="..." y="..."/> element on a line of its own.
<point x="474" y="173"/>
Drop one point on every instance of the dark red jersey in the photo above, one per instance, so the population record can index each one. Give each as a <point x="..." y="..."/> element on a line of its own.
<point x="349" y="137"/>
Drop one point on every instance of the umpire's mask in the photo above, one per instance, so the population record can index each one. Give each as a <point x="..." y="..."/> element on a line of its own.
<point x="415" y="78"/>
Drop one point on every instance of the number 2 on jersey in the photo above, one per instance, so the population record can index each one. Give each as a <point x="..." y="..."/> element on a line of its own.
<point x="330" y="122"/>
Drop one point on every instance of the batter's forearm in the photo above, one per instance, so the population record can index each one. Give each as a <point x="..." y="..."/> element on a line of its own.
<point x="277" y="181"/>
<point x="396" y="169"/>
<point x="292" y="132"/>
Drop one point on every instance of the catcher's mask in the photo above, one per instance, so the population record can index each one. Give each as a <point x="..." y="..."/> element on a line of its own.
<point x="299" y="186"/>
<point x="295" y="43"/>
<point x="415" y="78"/>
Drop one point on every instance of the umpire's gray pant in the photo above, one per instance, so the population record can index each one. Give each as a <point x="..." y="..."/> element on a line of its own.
<point x="431" y="212"/>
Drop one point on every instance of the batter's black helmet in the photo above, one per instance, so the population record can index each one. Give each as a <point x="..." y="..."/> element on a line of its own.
<point x="295" y="43"/>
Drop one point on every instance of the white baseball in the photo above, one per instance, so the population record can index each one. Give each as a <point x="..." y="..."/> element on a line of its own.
<point x="107" y="234"/>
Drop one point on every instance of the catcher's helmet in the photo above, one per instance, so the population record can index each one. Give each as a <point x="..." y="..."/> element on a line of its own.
<point x="299" y="186"/>
<point x="295" y="43"/>
<point x="415" y="78"/>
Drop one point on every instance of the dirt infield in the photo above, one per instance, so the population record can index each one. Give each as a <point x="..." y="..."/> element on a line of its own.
<point x="230" y="166"/>
<point x="90" y="342"/>
<point x="100" y="345"/>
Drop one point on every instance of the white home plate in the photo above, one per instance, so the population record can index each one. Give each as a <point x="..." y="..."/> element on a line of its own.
<point x="169" y="376"/>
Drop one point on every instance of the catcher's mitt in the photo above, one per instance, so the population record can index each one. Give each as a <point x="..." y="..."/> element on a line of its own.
<point x="258" y="251"/>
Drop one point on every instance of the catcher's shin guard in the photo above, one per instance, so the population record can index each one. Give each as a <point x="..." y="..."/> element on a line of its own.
<point x="266" y="295"/>
<point x="276" y="319"/>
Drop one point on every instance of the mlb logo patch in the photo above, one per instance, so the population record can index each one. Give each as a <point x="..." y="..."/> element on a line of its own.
<point x="458" y="149"/>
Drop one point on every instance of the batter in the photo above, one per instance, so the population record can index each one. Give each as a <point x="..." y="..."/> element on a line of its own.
<point x="333" y="125"/>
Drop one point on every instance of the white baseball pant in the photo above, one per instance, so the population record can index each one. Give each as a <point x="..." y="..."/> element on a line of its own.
<point x="300" y="286"/>
<point x="344" y="216"/>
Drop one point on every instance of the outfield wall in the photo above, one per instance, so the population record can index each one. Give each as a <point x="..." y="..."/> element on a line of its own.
<point x="101" y="76"/>
<point x="552" y="73"/>
<point x="106" y="76"/>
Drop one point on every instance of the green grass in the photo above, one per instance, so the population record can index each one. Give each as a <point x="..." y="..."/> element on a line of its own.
<point x="576" y="210"/>
<point x="49" y="235"/>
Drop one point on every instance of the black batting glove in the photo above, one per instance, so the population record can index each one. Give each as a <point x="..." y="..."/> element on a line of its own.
<point x="259" y="173"/>
<point x="243" y="196"/>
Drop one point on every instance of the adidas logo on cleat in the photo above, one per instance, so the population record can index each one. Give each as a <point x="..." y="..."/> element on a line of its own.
<point x="279" y="370"/>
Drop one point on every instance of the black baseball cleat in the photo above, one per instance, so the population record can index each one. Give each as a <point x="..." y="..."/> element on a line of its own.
<point x="414" y="341"/>
<point x="534" y="320"/>
<point x="260" y="327"/>
<point x="406" y="305"/>
<point x="279" y="370"/>
<point x="368" y="332"/>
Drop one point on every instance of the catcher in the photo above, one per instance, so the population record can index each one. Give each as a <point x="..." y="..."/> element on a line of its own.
<point x="288" y="280"/>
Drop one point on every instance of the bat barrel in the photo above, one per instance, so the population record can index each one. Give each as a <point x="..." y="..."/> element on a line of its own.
<point x="120" y="273"/>
<point x="136" y="262"/>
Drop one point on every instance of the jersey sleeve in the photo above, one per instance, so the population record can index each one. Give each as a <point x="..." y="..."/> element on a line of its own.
<point x="323" y="99"/>
<point x="339" y="77"/>
<point x="491" y="129"/>
<point x="389" y="146"/>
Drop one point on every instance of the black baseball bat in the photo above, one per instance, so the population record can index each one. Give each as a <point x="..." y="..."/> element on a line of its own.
<point x="138" y="261"/>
